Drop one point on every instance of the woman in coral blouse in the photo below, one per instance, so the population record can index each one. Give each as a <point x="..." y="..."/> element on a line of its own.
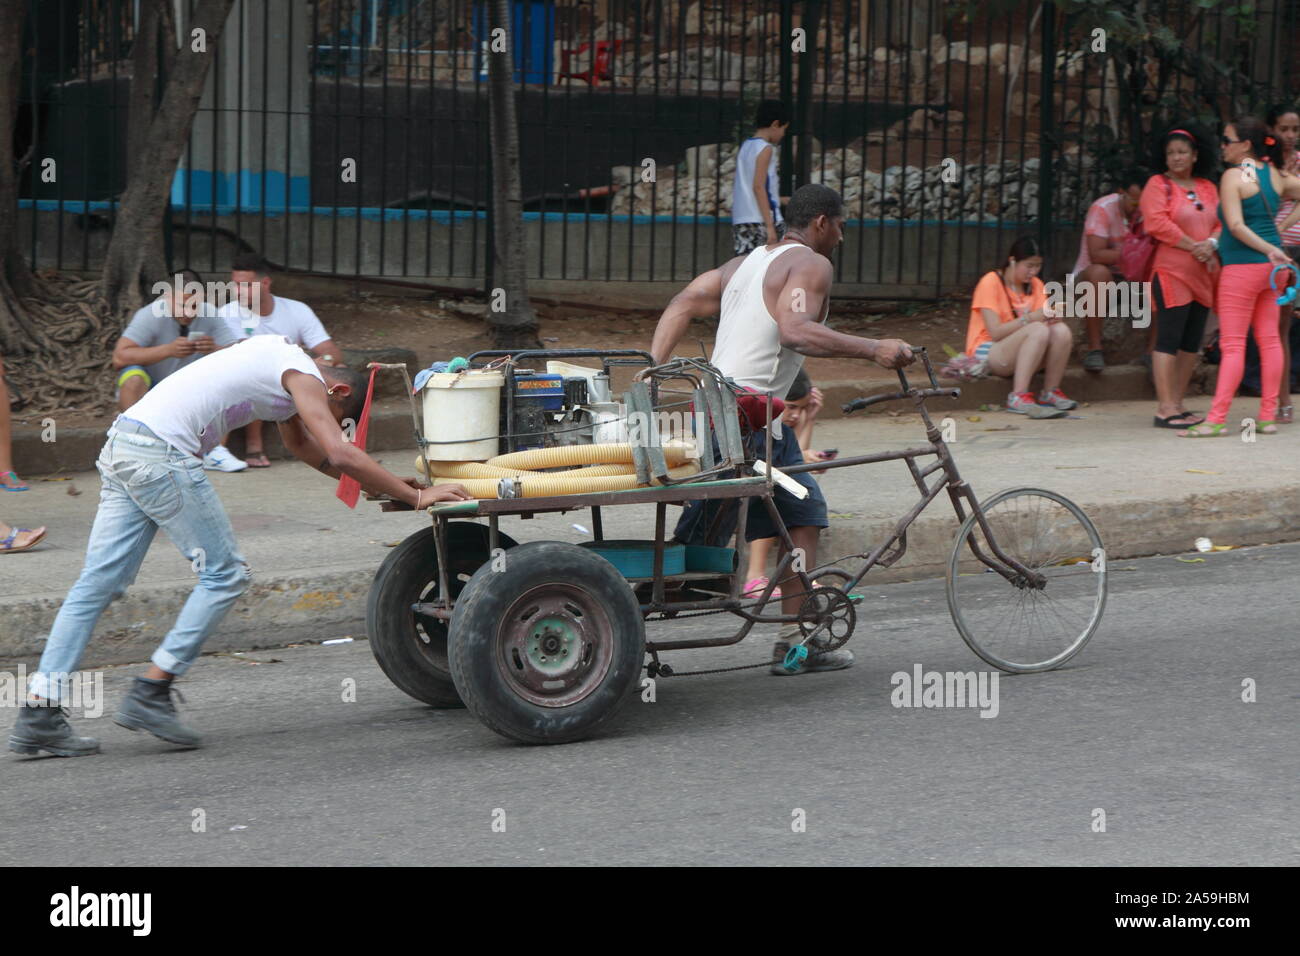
<point x="1180" y="210"/>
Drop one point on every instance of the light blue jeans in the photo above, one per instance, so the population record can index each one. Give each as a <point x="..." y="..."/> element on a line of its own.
<point x="146" y="484"/>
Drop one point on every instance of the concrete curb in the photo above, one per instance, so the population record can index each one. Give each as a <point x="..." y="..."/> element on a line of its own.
<point x="276" y="610"/>
<point x="284" y="609"/>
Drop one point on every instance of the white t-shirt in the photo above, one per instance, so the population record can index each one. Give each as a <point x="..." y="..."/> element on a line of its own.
<point x="293" y="319"/>
<point x="743" y="206"/>
<point x="192" y="409"/>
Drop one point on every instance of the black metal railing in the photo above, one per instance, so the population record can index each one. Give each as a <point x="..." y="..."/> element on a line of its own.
<point x="349" y="137"/>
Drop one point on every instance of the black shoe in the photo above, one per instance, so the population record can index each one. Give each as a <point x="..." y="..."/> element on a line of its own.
<point x="149" y="707"/>
<point x="44" y="726"/>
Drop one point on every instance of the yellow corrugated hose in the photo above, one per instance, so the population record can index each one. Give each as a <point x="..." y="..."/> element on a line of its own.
<point x="538" y="485"/>
<point x="607" y="468"/>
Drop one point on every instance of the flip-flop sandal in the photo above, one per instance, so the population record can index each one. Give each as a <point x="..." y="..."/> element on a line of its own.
<point x="1266" y="428"/>
<point x="1204" y="430"/>
<point x="250" y="460"/>
<point x="7" y="544"/>
<point x="18" y="484"/>
<point x="1174" y="421"/>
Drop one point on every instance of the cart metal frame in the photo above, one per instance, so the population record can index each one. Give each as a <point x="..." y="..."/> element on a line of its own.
<point x="710" y="486"/>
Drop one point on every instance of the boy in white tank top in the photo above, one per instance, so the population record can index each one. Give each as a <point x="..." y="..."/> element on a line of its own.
<point x="755" y="194"/>
<point x="772" y="306"/>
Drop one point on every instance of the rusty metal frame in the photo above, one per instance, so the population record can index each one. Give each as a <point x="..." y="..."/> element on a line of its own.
<point x="884" y="554"/>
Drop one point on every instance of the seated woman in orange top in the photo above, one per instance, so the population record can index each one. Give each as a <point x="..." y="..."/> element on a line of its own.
<point x="1012" y="328"/>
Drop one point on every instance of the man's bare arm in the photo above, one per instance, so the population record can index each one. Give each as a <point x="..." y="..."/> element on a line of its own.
<point x="303" y="447"/>
<point x="344" y="457"/>
<point x="699" y="300"/>
<point x="799" y="308"/>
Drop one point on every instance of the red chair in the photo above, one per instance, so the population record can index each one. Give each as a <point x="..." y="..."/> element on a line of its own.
<point x="605" y="50"/>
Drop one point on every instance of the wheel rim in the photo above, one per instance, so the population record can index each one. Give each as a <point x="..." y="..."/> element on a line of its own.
<point x="430" y="632"/>
<point x="555" y="644"/>
<point x="1014" y="625"/>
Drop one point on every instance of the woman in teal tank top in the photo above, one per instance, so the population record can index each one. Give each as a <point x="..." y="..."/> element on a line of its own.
<point x="1249" y="194"/>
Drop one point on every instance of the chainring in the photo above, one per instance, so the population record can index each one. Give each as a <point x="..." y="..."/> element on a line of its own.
<point x="827" y="618"/>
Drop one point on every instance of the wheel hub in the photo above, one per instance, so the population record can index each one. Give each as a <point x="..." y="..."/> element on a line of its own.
<point x="550" y="644"/>
<point x="554" y="645"/>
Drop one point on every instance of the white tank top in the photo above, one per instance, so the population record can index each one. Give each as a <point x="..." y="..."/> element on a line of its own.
<point x="744" y="208"/>
<point x="748" y="347"/>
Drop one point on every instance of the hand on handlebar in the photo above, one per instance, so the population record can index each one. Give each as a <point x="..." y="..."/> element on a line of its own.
<point x="893" y="353"/>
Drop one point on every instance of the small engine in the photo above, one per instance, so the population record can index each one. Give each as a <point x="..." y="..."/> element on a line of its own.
<point x="559" y="407"/>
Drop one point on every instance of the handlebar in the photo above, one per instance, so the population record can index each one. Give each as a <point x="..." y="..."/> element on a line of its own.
<point x="934" y="391"/>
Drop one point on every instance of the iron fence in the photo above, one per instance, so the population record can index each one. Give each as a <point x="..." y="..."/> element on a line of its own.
<point x="349" y="137"/>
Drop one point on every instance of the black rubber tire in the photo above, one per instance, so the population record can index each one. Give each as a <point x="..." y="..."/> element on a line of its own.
<point x="411" y="569"/>
<point x="474" y="647"/>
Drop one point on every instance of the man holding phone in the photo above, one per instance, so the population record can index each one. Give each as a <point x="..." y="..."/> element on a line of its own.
<point x="165" y="336"/>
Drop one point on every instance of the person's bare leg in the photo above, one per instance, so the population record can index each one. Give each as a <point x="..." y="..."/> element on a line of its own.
<point x="1060" y="341"/>
<point x="760" y="550"/>
<point x="154" y="672"/>
<point x="6" y="453"/>
<point x="804" y="537"/>
<point x="1005" y="356"/>
<point x="1029" y="357"/>
<point x="1165" y="372"/>
<point x="1184" y="367"/>
<point x="1092" y="326"/>
<point x="1093" y="323"/>
<point x="132" y="390"/>
<point x="254" y="451"/>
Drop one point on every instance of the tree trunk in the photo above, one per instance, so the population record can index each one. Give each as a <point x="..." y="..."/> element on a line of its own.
<point x="17" y="333"/>
<point x="134" y="259"/>
<point x="514" y="326"/>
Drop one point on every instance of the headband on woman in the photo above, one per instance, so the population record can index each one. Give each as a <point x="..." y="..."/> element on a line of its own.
<point x="1175" y="132"/>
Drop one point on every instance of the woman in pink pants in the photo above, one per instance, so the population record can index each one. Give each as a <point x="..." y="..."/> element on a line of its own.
<point x="1249" y="194"/>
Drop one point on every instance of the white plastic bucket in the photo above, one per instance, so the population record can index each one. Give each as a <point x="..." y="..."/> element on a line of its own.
<point x="462" y="411"/>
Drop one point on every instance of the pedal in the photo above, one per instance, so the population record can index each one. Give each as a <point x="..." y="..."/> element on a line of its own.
<point x="794" y="658"/>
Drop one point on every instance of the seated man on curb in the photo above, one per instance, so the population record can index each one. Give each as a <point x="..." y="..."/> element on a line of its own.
<point x="152" y="475"/>
<point x="258" y="312"/>
<point x="772" y="305"/>
<point x="164" y="337"/>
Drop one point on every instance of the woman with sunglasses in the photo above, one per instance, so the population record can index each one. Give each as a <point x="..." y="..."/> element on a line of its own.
<point x="1179" y="209"/>
<point x="1251" y="189"/>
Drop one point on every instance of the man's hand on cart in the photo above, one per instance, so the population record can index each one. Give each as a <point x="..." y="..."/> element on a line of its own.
<point x="893" y="353"/>
<point x="430" y="495"/>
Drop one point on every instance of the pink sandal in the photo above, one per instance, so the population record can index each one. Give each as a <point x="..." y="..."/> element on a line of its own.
<point x="755" y="587"/>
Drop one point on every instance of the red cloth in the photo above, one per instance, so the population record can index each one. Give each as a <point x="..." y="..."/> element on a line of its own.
<point x="752" y="406"/>
<point x="349" y="489"/>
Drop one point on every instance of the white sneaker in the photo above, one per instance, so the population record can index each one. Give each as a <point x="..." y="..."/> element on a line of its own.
<point x="220" y="459"/>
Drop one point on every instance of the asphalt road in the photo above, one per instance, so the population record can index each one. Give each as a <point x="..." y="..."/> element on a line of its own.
<point x="1146" y="724"/>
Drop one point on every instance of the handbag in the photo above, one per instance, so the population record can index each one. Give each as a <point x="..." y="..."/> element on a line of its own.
<point x="1137" y="250"/>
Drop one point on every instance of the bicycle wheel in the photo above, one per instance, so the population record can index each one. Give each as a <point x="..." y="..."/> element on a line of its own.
<point x="1013" y="625"/>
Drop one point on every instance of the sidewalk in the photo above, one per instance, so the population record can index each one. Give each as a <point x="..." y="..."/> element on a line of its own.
<point x="1148" y="491"/>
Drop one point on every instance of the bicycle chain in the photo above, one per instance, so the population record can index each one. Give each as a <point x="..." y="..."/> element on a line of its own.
<point x="669" y="672"/>
<point x="665" y="670"/>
